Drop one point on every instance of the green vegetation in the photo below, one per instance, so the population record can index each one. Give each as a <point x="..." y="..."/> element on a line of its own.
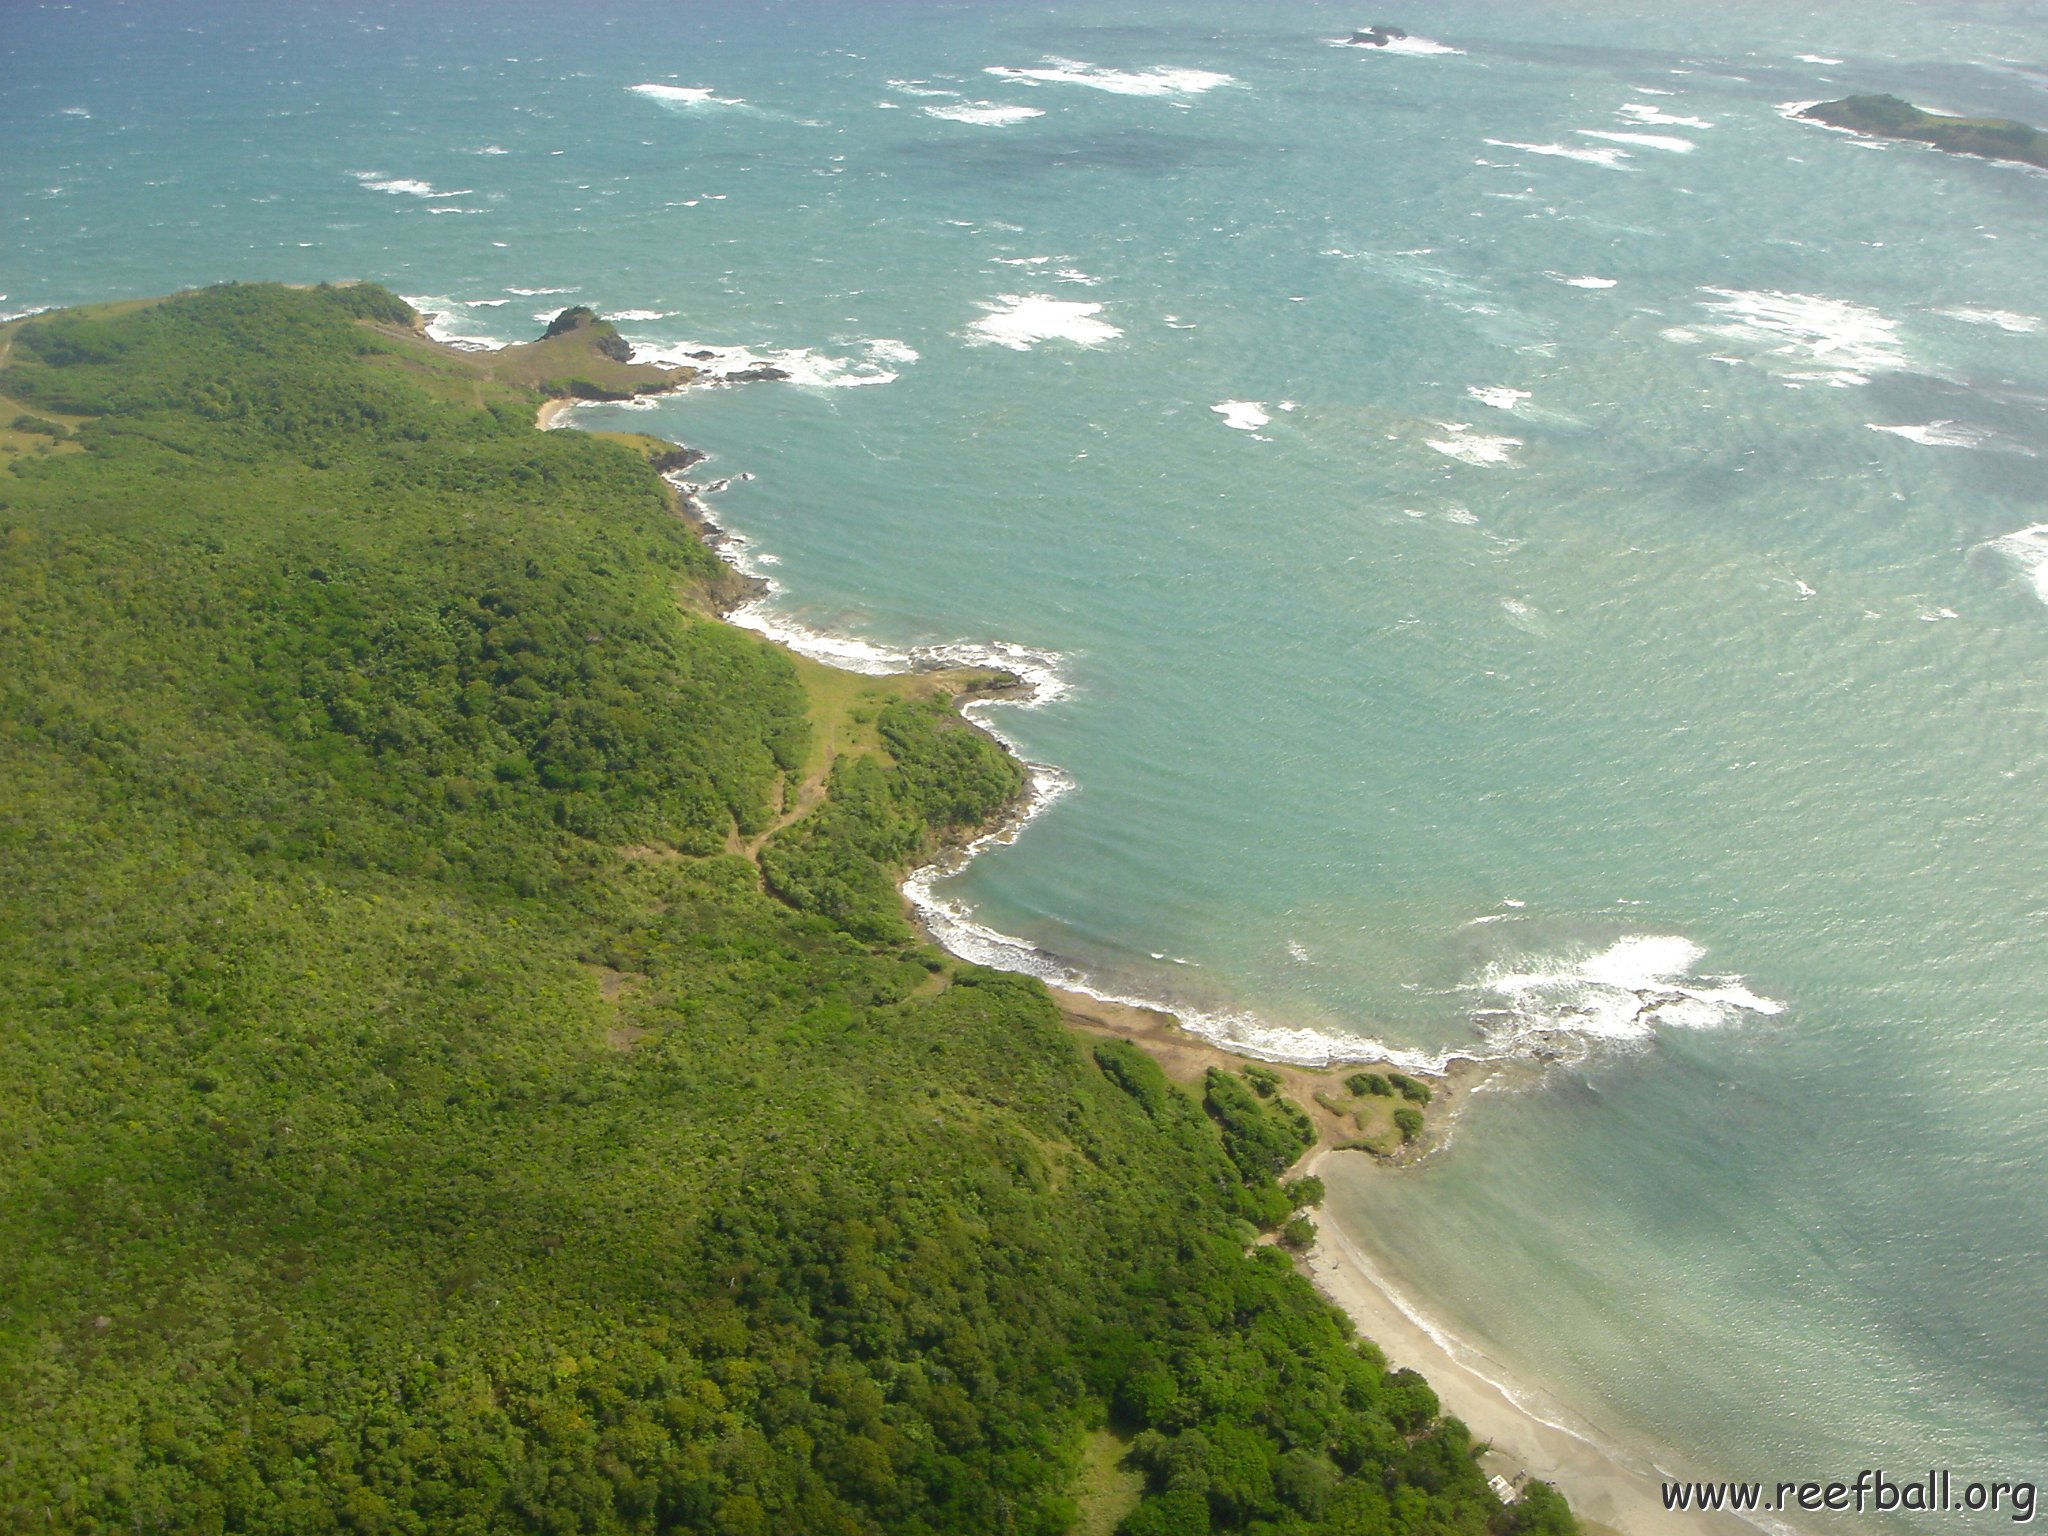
<point x="1414" y="1091"/>
<point x="582" y="357"/>
<point x="465" y="1067"/>
<point x="1889" y="117"/>
<point x="1386" y="1108"/>
<point x="1541" y="1511"/>
<point x="1264" y="1080"/>
<point x="1303" y="1193"/>
<point x="35" y="426"/>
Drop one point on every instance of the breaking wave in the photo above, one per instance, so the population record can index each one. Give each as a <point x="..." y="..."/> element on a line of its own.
<point x="1159" y="80"/>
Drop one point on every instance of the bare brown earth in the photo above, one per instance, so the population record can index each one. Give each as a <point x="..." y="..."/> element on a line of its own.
<point x="1187" y="1057"/>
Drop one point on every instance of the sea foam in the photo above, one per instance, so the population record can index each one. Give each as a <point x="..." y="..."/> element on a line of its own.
<point x="1021" y="321"/>
<point x="1159" y="80"/>
<point x="1636" y="112"/>
<point x="684" y="96"/>
<point x="1807" y="338"/>
<point x="1415" y="47"/>
<point x="2028" y="550"/>
<point x="442" y="322"/>
<point x="1615" y="996"/>
<point x="984" y="114"/>
<point x="877" y="361"/>
<point x="1245" y="415"/>
<point x="1501" y="397"/>
<point x="1664" y="141"/>
<point x="2004" y="319"/>
<point x="1609" y="159"/>
<point x="403" y="186"/>
<point x="1940" y="434"/>
<point x="1462" y="443"/>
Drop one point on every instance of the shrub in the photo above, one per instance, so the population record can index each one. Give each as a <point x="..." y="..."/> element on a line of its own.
<point x="1408" y="1122"/>
<point x="1304" y="1192"/>
<point x="1265" y="1082"/>
<point x="1409" y="1089"/>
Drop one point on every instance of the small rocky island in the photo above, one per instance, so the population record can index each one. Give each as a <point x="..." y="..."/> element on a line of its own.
<point x="1375" y="37"/>
<point x="1888" y="117"/>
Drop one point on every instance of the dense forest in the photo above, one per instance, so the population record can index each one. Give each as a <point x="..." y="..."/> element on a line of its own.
<point x="465" y="1065"/>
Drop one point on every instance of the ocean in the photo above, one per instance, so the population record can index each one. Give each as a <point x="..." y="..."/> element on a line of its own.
<point x="1523" y="549"/>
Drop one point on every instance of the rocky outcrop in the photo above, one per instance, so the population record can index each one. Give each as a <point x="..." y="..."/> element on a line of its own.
<point x="603" y="335"/>
<point x="1890" y="117"/>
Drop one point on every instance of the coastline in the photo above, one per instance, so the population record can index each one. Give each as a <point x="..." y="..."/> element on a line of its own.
<point x="1607" y="1492"/>
<point x="1185" y="1056"/>
<point x="1608" y="1496"/>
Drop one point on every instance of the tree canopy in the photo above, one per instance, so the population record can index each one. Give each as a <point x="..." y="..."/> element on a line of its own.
<point x="452" y="1084"/>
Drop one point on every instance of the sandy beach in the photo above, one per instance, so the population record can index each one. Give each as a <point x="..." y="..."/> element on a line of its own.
<point x="1603" y="1490"/>
<point x="1608" y="1494"/>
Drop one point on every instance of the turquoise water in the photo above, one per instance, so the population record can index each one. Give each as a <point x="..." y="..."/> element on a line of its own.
<point x="1600" y="628"/>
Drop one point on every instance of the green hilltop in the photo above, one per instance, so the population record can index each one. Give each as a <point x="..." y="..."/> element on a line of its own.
<point x="466" y="1066"/>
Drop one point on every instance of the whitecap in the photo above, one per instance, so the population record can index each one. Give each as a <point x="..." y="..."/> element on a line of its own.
<point x="1609" y="159"/>
<point x="636" y="315"/>
<point x="1580" y="282"/>
<point x="1159" y="80"/>
<point x="1470" y="447"/>
<point x="1615" y="996"/>
<point x="1500" y="396"/>
<point x="441" y="322"/>
<point x="1816" y="58"/>
<point x="1636" y="112"/>
<point x="404" y="186"/>
<point x="2027" y="549"/>
<point x="877" y="362"/>
<point x="534" y="293"/>
<point x="1669" y="142"/>
<point x="985" y="114"/>
<point x="1245" y="415"/>
<point x="2004" y="319"/>
<point x="685" y="96"/>
<point x="1021" y="321"/>
<point x="1418" y="47"/>
<point x="1940" y="434"/>
<point x="74" y="112"/>
<point x="1831" y="341"/>
<point x="491" y="149"/>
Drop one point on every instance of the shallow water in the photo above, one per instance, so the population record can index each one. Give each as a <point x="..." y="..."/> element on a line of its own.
<point x="1530" y="551"/>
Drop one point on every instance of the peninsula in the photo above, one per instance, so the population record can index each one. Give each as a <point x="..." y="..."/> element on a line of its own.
<point x="1889" y="117"/>
<point x="470" y="1067"/>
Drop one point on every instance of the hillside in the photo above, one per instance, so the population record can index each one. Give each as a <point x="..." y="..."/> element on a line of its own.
<point x="466" y="1066"/>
